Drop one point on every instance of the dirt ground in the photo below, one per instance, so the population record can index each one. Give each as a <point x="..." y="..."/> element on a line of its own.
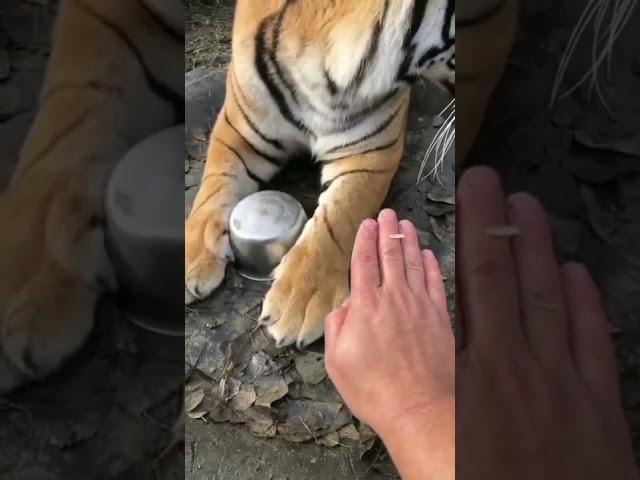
<point x="273" y="413"/>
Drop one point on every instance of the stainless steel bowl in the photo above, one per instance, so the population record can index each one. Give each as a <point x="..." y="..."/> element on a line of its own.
<point x="144" y="211"/>
<point x="263" y="227"/>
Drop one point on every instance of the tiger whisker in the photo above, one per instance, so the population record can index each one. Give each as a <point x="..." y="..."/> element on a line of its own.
<point x="441" y="143"/>
<point x="622" y="10"/>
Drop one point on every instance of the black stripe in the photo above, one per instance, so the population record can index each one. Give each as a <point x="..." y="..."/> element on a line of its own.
<point x="216" y="174"/>
<point x="265" y="75"/>
<point x="273" y="53"/>
<point x="372" y="50"/>
<point x="91" y="85"/>
<point x="447" y="40"/>
<point x="366" y="152"/>
<point x="206" y="199"/>
<point x="331" y="84"/>
<point x="451" y="63"/>
<point x="175" y="35"/>
<point x="403" y="70"/>
<point x="95" y="221"/>
<point x="273" y="161"/>
<point x="328" y="183"/>
<point x="417" y="16"/>
<point x="357" y="118"/>
<point x="223" y="233"/>
<point x="55" y="140"/>
<point x="433" y="52"/>
<point x="250" y="174"/>
<point x="271" y="141"/>
<point x="160" y="89"/>
<point x="481" y="17"/>
<point x="381" y="128"/>
<point x="332" y="234"/>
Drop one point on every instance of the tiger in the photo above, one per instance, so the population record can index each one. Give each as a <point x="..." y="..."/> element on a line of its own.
<point x="106" y="87"/>
<point x="327" y="77"/>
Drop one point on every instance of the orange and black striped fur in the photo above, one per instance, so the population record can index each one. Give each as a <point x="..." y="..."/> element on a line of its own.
<point x="106" y="88"/>
<point x="327" y="76"/>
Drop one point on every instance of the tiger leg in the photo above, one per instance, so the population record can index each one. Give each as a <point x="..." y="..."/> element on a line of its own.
<point x="240" y="158"/>
<point x="313" y="277"/>
<point x="485" y="34"/>
<point x="96" y="103"/>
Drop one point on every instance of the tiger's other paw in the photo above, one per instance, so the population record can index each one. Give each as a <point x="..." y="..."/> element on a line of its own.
<point x="46" y="322"/>
<point x="207" y="252"/>
<point x="307" y="287"/>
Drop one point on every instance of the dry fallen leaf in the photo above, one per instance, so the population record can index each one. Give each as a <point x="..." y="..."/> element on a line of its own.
<point x="193" y="399"/>
<point x="243" y="399"/>
<point x="350" y="432"/>
<point x="198" y="414"/>
<point x="311" y="368"/>
<point x="270" y="389"/>
<point x="330" y="440"/>
<point x="503" y="231"/>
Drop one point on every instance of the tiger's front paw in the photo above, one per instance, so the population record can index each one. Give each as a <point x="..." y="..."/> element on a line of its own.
<point x="45" y="323"/>
<point x="207" y="252"/>
<point x="308" y="285"/>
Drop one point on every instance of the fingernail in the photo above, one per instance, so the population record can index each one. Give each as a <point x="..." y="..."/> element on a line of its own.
<point x="387" y="213"/>
<point x="370" y="224"/>
<point x="406" y="224"/>
<point x="575" y="270"/>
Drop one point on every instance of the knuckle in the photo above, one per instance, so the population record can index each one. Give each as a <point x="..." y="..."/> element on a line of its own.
<point x="541" y="301"/>
<point x="413" y="265"/>
<point x="365" y="258"/>
<point x="489" y="268"/>
<point x="392" y="253"/>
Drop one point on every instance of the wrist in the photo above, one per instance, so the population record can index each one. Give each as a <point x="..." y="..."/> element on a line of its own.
<point x="421" y="440"/>
<point x="418" y="418"/>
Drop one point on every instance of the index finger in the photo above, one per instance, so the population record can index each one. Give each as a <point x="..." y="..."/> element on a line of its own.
<point x="486" y="270"/>
<point x="365" y="267"/>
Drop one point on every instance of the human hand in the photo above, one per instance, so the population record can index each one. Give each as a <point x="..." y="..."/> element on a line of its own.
<point x="536" y="380"/>
<point x="390" y="348"/>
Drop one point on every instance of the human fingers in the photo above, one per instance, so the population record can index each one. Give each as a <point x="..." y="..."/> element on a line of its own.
<point x="390" y="249"/>
<point x="413" y="261"/>
<point x="365" y="267"/>
<point x="485" y="267"/>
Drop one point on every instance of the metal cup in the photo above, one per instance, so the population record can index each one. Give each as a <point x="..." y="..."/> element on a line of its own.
<point x="262" y="229"/>
<point x="144" y="210"/>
